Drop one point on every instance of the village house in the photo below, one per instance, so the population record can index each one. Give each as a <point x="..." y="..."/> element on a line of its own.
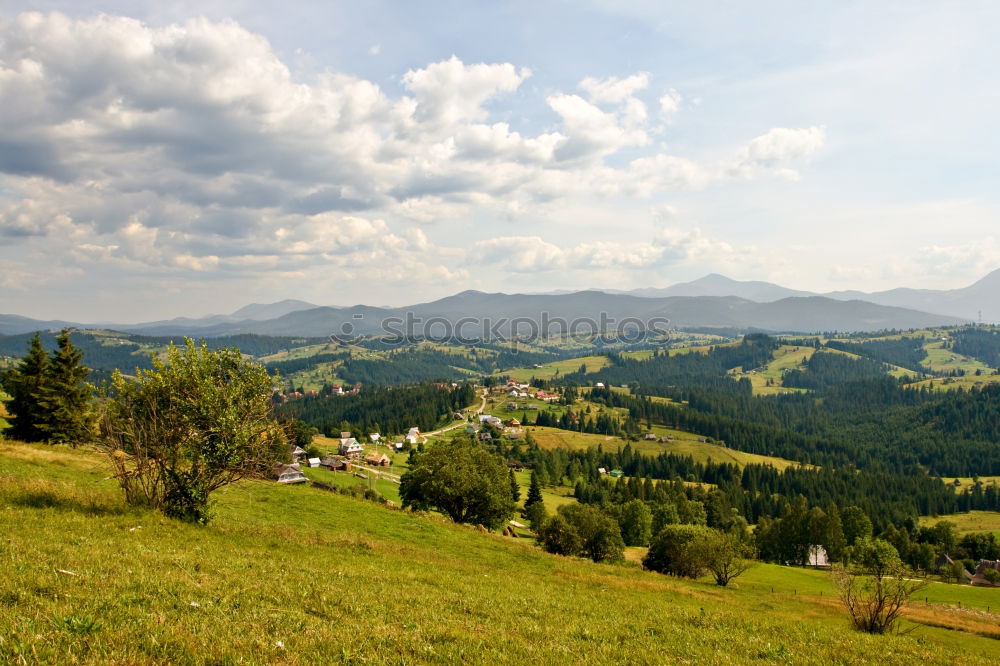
<point x="650" y="437"/>
<point x="313" y="462"/>
<point x="298" y="452"/>
<point x="374" y="437"/>
<point x="288" y="474"/>
<point x="351" y="448"/>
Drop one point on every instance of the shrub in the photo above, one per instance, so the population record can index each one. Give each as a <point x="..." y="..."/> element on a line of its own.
<point x="197" y="422"/>
<point x="874" y="587"/>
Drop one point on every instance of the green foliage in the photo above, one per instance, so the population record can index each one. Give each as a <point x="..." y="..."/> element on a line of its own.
<point x="188" y="427"/>
<point x="592" y="532"/>
<point x="558" y="536"/>
<point x="599" y="533"/>
<point x="534" y="489"/>
<point x="65" y="396"/>
<point x="536" y="514"/>
<point x="50" y="400"/>
<point x="674" y="551"/>
<point x="300" y="433"/>
<point x="394" y="409"/>
<point x="636" y="521"/>
<point x="515" y="488"/>
<point x="856" y="524"/>
<point x="24" y="384"/>
<point x="725" y="555"/>
<point x="463" y="481"/>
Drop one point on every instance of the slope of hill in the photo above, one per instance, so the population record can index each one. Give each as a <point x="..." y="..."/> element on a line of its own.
<point x="296" y="575"/>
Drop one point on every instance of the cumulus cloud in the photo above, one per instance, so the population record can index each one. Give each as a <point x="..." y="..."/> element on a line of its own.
<point x="777" y="149"/>
<point x="195" y="148"/>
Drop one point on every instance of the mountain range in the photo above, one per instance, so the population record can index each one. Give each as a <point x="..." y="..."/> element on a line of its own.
<point x="980" y="300"/>
<point x="712" y="301"/>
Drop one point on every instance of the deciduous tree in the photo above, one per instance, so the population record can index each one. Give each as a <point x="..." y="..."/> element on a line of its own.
<point x="462" y="480"/>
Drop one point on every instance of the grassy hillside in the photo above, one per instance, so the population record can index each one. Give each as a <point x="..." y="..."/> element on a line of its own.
<point x="972" y="521"/>
<point x="295" y="575"/>
<point x="558" y="368"/>
<point x="684" y="444"/>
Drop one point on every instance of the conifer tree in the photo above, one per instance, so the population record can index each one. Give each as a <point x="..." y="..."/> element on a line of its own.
<point x="515" y="487"/>
<point x="534" y="491"/>
<point x="24" y="384"/>
<point x="65" y="396"/>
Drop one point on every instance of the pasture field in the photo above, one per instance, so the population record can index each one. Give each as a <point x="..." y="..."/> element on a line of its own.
<point x="940" y="359"/>
<point x="295" y="575"/>
<point x="684" y="444"/>
<point x="558" y="368"/>
<point x="954" y="383"/>
<point x="973" y="521"/>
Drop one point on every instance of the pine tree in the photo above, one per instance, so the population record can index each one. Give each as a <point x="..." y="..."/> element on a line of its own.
<point x="515" y="487"/>
<point x="534" y="491"/>
<point x="24" y="384"/>
<point x="65" y="396"/>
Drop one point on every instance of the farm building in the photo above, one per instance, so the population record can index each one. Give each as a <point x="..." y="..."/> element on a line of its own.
<point x="378" y="459"/>
<point x="289" y="474"/>
<point x="298" y="452"/>
<point x="818" y="557"/>
<point x="617" y="473"/>
<point x="335" y="464"/>
<point x="313" y="462"/>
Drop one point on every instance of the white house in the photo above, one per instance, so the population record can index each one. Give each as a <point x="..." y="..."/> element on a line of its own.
<point x="350" y="447"/>
<point x="374" y="437"/>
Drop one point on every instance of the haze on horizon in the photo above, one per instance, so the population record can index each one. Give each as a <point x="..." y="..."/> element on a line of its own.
<point x="177" y="160"/>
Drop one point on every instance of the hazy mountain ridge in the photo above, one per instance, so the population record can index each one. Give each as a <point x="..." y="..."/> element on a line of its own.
<point x="966" y="303"/>
<point x="701" y="303"/>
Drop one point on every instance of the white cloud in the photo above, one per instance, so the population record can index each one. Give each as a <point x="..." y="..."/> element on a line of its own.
<point x="451" y="91"/>
<point x="777" y="148"/>
<point x="670" y="103"/>
<point x="614" y="90"/>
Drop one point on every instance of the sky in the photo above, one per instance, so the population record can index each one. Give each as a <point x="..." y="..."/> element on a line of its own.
<point x="186" y="158"/>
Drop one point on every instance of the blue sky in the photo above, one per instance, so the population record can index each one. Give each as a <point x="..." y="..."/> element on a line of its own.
<point x="187" y="158"/>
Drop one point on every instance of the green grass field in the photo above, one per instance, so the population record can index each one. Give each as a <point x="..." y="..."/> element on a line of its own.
<point x="944" y="360"/>
<point x="558" y="368"/>
<point x="768" y="380"/>
<point x="973" y="521"/>
<point x="684" y="444"/>
<point x="295" y="575"/>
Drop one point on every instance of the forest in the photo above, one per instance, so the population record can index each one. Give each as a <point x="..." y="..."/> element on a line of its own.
<point x="386" y="410"/>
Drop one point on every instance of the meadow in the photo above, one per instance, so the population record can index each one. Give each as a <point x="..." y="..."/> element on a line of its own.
<point x="972" y="521"/>
<point x="295" y="575"/>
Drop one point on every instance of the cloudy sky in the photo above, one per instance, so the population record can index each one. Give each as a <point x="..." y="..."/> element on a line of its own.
<point x="186" y="158"/>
